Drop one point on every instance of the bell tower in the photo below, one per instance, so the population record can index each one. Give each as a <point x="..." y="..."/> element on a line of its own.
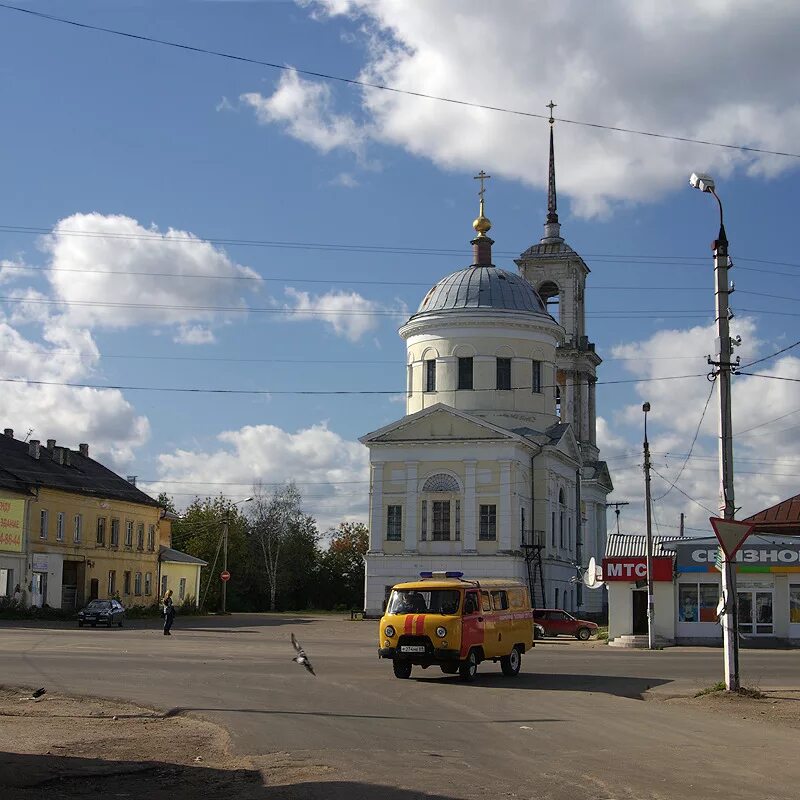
<point x="559" y="274"/>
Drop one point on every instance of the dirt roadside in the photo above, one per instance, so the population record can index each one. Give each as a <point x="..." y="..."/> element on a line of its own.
<point x="67" y="747"/>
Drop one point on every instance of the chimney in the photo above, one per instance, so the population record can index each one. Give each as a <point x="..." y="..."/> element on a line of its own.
<point x="33" y="448"/>
<point x="67" y="457"/>
<point x="8" y="432"/>
<point x="132" y="479"/>
<point x="58" y="453"/>
<point x="51" y="443"/>
<point x="83" y="449"/>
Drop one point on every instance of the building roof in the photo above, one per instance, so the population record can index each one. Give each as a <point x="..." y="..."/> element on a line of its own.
<point x="621" y="545"/>
<point x="176" y="556"/>
<point x="78" y="473"/>
<point x="483" y="288"/>
<point x="785" y="514"/>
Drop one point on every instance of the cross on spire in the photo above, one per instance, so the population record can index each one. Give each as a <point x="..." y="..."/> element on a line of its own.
<point x="551" y="105"/>
<point x="481" y="176"/>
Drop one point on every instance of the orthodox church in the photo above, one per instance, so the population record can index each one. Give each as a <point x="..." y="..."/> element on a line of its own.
<point x="495" y="470"/>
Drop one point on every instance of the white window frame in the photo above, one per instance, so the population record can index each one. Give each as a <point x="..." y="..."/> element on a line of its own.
<point x="44" y="523"/>
<point x="129" y="533"/>
<point x="60" y="526"/>
<point x="77" y="531"/>
<point x="182" y="589"/>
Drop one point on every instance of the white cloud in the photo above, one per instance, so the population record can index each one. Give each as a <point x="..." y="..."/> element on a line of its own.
<point x="102" y="417"/>
<point x="103" y="273"/>
<point x="194" y="334"/>
<point x="345" y="180"/>
<point x="305" y="109"/>
<point x="765" y="459"/>
<point x="711" y="70"/>
<point x="331" y="472"/>
<point x="348" y="313"/>
<point x="11" y="270"/>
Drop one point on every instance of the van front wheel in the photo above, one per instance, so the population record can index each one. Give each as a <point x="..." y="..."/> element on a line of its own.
<point x="402" y="669"/>
<point x="511" y="663"/>
<point x="468" y="668"/>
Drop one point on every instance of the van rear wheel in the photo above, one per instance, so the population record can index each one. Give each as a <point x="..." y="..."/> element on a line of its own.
<point x="402" y="669"/>
<point x="511" y="663"/>
<point x="468" y="668"/>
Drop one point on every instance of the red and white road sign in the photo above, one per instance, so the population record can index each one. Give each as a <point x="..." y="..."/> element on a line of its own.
<point x="731" y="534"/>
<point x="225" y="575"/>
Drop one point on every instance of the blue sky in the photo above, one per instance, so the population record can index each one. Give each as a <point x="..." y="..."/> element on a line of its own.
<point x="109" y="143"/>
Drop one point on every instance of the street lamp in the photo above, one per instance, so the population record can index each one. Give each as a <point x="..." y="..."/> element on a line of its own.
<point x="723" y="368"/>
<point x="651" y="643"/>
<point x="225" y="521"/>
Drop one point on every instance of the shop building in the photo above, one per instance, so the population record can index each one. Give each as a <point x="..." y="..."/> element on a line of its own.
<point x="687" y="589"/>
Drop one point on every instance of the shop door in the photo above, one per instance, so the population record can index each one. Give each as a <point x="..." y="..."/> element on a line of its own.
<point x="94" y="589"/>
<point x="639" y="612"/>
<point x="39" y="589"/>
<point x="755" y="612"/>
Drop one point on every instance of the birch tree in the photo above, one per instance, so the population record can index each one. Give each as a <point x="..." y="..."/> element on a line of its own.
<point x="274" y="518"/>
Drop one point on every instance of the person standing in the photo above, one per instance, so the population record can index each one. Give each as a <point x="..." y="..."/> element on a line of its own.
<point x="169" y="612"/>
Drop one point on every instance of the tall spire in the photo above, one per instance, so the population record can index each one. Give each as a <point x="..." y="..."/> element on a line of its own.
<point x="482" y="244"/>
<point x="552" y="227"/>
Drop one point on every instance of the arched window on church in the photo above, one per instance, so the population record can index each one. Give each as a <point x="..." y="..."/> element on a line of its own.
<point x="441" y="508"/>
<point x="558" y="402"/>
<point x="551" y="297"/>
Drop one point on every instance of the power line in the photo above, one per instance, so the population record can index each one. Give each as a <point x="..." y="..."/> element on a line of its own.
<point x="691" y="447"/>
<point x="696" y="502"/>
<point x="394" y="90"/>
<point x="773" y="355"/>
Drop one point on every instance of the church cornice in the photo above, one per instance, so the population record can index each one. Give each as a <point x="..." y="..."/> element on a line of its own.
<point x="459" y="319"/>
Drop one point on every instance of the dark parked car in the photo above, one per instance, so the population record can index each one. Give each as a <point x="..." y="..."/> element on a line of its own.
<point x="102" y="612"/>
<point x="557" y="622"/>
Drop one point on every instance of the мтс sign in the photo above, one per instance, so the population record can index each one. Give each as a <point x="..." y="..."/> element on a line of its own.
<point x="634" y="568"/>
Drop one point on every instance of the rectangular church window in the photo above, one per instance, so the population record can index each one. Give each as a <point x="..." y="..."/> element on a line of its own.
<point x="394" y="523"/>
<point x="430" y="375"/>
<point x="441" y="520"/>
<point x="504" y="373"/>
<point x="536" y="376"/>
<point x="488" y="523"/>
<point x="465" y="373"/>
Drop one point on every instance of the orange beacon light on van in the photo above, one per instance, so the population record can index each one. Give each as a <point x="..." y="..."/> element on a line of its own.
<point x="455" y="623"/>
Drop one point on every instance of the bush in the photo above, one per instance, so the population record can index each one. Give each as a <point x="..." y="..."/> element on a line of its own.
<point x="11" y="610"/>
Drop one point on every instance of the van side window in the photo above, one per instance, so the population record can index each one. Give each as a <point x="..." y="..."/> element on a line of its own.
<point x="516" y="598"/>
<point x="486" y="603"/>
<point x="471" y="603"/>
<point x="500" y="600"/>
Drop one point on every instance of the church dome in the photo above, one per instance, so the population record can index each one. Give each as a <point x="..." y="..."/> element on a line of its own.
<point x="483" y="288"/>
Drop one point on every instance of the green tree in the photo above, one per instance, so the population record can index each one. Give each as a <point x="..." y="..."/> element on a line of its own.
<point x="199" y="533"/>
<point x="343" y="564"/>
<point x="166" y="502"/>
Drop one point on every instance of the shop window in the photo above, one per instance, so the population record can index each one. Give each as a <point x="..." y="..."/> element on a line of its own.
<point x="394" y="523"/>
<point x="698" y="602"/>
<point x="503" y="373"/>
<point x="794" y="604"/>
<point x="488" y="523"/>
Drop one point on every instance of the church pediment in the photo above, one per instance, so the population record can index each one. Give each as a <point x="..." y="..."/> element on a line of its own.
<point x="438" y="423"/>
<point x="562" y="439"/>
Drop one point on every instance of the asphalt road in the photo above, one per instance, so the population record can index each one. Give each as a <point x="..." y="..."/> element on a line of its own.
<point x="571" y="725"/>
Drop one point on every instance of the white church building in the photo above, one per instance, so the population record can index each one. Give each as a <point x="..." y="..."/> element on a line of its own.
<point x="494" y="470"/>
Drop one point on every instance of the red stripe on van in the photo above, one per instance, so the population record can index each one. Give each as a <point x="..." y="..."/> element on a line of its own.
<point x="409" y="621"/>
<point x="420" y="625"/>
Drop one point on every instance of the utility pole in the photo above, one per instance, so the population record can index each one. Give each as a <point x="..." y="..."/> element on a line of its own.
<point x="651" y="638"/>
<point x="681" y="533"/>
<point x="724" y="366"/>
<point x="225" y="521"/>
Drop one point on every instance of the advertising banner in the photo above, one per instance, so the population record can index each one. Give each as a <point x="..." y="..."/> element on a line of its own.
<point x="752" y="557"/>
<point x="12" y="519"/>
<point x="634" y="568"/>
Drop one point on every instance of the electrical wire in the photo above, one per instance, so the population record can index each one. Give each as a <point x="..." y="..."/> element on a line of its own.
<point x="368" y="85"/>
<point x="773" y="355"/>
<point x="691" y="446"/>
<point x="689" y="497"/>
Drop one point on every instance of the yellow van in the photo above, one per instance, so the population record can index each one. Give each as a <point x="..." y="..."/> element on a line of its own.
<point x="456" y="623"/>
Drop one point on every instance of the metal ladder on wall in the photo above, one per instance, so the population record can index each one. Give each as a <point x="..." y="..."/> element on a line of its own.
<point x="533" y="561"/>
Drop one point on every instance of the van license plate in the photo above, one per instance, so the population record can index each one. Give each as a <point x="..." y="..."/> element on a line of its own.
<point x="412" y="648"/>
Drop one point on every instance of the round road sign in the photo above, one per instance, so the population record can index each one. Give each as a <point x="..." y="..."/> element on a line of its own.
<point x="225" y="575"/>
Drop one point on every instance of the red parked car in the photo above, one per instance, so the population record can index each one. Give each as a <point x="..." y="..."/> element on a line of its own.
<point x="557" y="622"/>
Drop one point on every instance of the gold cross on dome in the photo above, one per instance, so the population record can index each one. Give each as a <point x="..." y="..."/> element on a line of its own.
<point x="551" y="105"/>
<point x="481" y="176"/>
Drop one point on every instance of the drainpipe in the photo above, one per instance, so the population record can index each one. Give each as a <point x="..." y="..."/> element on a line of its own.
<point x="578" y="535"/>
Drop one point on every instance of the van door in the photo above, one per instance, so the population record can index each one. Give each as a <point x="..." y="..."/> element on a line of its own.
<point x="472" y="623"/>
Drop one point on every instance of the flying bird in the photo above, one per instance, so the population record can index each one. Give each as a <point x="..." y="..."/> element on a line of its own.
<point x="301" y="657"/>
<point x="39" y="692"/>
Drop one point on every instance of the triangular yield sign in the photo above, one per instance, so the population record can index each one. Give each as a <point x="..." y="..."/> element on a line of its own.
<point x="731" y="534"/>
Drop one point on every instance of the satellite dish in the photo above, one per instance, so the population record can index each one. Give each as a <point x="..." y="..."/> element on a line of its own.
<point x="593" y="577"/>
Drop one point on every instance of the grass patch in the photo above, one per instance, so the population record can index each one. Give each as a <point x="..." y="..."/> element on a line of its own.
<point x="602" y="633"/>
<point x="743" y="691"/>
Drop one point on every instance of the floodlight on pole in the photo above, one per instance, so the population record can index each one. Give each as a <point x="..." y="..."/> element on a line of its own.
<point x="722" y="368"/>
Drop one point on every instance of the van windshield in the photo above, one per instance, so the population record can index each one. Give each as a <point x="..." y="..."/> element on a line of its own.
<point x="430" y="601"/>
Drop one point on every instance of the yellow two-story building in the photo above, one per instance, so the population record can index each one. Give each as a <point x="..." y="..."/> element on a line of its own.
<point x="86" y="531"/>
